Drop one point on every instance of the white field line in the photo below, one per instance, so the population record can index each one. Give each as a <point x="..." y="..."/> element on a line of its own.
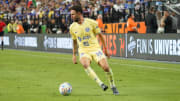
<point x="112" y="62"/>
<point x="145" y="66"/>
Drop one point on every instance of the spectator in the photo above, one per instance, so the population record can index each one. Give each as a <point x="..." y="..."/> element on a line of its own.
<point x="15" y="27"/>
<point x="159" y="5"/>
<point x="168" y="23"/>
<point x="112" y="13"/>
<point x="34" y="27"/>
<point x="178" y="24"/>
<point x="64" y="26"/>
<point x="41" y="13"/>
<point x="51" y="13"/>
<point x="44" y="29"/>
<point x="10" y="26"/>
<point x="131" y="24"/>
<point x="119" y="10"/>
<point x="12" y="7"/>
<point x="158" y="17"/>
<point x="25" y="26"/>
<point x="53" y="27"/>
<point x="85" y="12"/>
<point x="38" y="26"/>
<point x="38" y="3"/>
<point x="137" y="11"/>
<point x="92" y="13"/>
<point x="17" y="1"/>
<point x="174" y="22"/>
<point x="151" y="22"/>
<point x="20" y="29"/>
<point x="64" y="10"/>
<point x="162" y="24"/>
<point x="131" y="6"/>
<point x="100" y="22"/>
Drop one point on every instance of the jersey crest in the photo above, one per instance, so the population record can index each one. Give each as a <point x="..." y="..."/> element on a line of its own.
<point x="87" y="29"/>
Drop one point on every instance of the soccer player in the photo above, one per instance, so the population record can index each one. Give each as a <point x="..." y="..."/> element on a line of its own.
<point x="2" y="25"/>
<point x="83" y="32"/>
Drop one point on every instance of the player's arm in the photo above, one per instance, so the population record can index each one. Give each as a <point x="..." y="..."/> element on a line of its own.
<point x="97" y="31"/>
<point x="74" y="51"/>
<point x="74" y="44"/>
<point x="104" y="45"/>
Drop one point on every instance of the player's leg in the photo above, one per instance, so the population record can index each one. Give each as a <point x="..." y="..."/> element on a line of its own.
<point x="100" y="58"/>
<point x="104" y="64"/>
<point x="85" y="61"/>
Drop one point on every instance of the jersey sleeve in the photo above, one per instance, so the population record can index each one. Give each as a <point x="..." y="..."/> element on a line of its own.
<point x="96" y="28"/>
<point x="73" y="36"/>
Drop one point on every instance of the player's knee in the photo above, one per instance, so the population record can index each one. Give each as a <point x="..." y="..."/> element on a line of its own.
<point x="85" y="65"/>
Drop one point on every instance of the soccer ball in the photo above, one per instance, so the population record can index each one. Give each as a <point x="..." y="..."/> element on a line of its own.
<point x="65" y="89"/>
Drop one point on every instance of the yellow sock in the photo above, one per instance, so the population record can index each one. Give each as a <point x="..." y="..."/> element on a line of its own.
<point x="110" y="78"/>
<point x="93" y="75"/>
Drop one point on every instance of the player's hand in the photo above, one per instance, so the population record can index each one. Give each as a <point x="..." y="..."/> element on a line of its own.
<point x="74" y="59"/>
<point x="107" y="53"/>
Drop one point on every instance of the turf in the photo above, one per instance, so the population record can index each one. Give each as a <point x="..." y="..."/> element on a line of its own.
<point x="36" y="76"/>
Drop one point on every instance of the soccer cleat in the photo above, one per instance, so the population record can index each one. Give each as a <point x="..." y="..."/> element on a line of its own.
<point x="104" y="87"/>
<point x="115" y="91"/>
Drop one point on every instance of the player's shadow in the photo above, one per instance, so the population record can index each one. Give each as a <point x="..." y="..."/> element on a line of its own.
<point x="84" y="94"/>
<point x="102" y="94"/>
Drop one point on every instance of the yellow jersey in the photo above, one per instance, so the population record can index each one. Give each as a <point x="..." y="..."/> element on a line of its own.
<point x="85" y="34"/>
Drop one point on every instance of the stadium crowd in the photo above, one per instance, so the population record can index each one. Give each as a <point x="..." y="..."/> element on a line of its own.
<point x="53" y="16"/>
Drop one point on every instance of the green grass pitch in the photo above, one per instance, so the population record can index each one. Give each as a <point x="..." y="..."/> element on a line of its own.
<point x="36" y="76"/>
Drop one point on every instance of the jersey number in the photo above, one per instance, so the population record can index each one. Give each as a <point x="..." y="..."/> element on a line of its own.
<point x="99" y="53"/>
<point x="86" y="43"/>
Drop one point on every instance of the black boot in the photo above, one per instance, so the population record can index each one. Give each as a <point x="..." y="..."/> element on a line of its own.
<point x="104" y="87"/>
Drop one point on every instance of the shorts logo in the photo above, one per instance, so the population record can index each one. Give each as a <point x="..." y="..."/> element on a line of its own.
<point x="81" y="54"/>
<point x="87" y="29"/>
